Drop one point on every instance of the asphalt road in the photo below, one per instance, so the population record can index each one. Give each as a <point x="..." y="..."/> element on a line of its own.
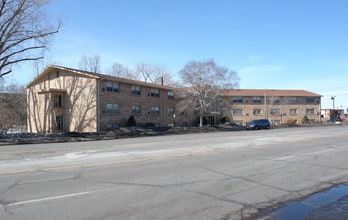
<point x="219" y="175"/>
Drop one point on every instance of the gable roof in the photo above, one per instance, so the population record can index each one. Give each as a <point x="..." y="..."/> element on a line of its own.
<point x="270" y="92"/>
<point x="100" y="76"/>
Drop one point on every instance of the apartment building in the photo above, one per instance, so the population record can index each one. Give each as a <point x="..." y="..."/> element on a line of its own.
<point x="279" y="106"/>
<point x="70" y="100"/>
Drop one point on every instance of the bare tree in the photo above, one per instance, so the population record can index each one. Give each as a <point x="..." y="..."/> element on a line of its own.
<point x="119" y="70"/>
<point x="12" y="105"/>
<point x="24" y="32"/>
<point x="205" y="80"/>
<point x="144" y="72"/>
<point x="91" y="64"/>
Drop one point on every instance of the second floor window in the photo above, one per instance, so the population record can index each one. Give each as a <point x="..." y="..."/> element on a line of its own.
<point x="170" y="95"/>
<point x="136" y="90"/>
<point x="237" y="100"/>
<point x="112" y="87"/>
<point x="257" y="99"/>
<point x="154" y="92"/>
<point x="292" y="100"/>
<point x="310" y="100"/>
<point x="58" y="101"/>
<point x="112" y="108"/>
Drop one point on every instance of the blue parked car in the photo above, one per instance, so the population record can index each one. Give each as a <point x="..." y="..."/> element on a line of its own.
<point x="258" y="124"/>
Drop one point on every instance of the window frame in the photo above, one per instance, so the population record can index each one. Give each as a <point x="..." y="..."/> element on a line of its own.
<point x="112" y="108"/>
<point x="155" y="110"/>
<point x="154" y="92"/>
<point x="237" y="111"/>
<point x="136" y="109"/>
<point x="136" y="90"/>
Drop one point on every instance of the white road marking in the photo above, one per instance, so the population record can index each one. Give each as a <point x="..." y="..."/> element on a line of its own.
<point x="284" y="158"/>
<point x="46" y="199"/>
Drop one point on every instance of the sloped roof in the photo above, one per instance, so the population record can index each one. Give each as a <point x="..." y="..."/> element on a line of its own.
<point x="269" y="92"/>
<point x="50" y="68"/>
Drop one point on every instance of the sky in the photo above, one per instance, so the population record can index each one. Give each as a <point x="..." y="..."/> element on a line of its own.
<point x="271" y="44"/>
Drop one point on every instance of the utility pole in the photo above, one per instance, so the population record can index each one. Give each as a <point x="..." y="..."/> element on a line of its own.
<point x="333" y="101"/>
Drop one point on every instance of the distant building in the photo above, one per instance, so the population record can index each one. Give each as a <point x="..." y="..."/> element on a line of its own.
<point x="70" y="100"/>
<point x="279" y="106"/>
<point x="333" y="114"/>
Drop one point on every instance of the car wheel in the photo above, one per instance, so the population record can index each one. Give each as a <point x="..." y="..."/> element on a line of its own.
<point x="267" y="127"/>
<point x="256" y="128"/>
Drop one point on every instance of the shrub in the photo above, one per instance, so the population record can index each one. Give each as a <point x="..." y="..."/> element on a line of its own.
<point x="291" y="121"/>
<point x="225" y="119"/>
<point x="131" y="121"/>
<point x="305" y="120"/>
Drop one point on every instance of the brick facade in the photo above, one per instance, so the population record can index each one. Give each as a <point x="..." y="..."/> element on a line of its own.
<point x="65" y="99"/>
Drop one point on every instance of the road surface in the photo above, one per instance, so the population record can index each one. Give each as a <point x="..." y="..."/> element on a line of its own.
<point x="219" y="175"/>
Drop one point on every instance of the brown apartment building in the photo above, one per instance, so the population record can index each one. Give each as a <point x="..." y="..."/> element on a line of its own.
<point x="279" y="106"/>
<point x="70" y="100"/>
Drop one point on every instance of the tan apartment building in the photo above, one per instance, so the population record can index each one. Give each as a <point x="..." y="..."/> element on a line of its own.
<point x="70" y="100"/>
<point x="279" y="106"/>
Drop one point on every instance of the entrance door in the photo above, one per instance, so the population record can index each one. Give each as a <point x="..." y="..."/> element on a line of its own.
<point x="59" y="123"/>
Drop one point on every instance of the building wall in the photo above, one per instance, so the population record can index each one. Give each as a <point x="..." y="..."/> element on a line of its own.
<point x="140" y="104"/>
<point x="78" y="104"/>
<point x="278" y="111"/>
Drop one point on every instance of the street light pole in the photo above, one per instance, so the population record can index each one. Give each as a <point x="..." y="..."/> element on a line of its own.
<point x="333" y="102"/>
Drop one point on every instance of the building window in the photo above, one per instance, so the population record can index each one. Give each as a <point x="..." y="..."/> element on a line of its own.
<point x="113" y="126"/>
<point x="136" y="90"/>
<point x="276" y="101"/>
<point x="154" y="92"/>
<point x="182" y="95"/>
<point x="112" y="108"/>
<point x="310" y="111"/>
<point x="257" y="99"/>
<point x="292" y="100"/>
<point x="112" y="87"/>
<point x="170" y="111"/>
<point x="257" y="111"/>
<point x="237" y="111"/>
<point x="170" y="95"/>
<point x="293" y="111"/>
<point x="310" y="100"/>
<point x="237" y="100"/>
<point x="275" y="111"/>
<point x="59" y="123"/>
<point x="136" y="109"/>
<point x="155" y="110"/>
<point x="58" y="101"/>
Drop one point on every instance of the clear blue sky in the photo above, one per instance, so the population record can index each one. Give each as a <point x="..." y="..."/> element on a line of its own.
<point x="273" y="44"/>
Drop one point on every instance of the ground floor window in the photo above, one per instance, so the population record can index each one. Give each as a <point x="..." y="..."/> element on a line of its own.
<point x="257" y="111"/>
<point x="310" y="111"/>
<point x="237" y="111"/>
<point x="59" y="123"/>
<point x="293" y="111"/>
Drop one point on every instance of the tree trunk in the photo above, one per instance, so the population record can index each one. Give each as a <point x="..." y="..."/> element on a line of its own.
<point x="200" y="121"/>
